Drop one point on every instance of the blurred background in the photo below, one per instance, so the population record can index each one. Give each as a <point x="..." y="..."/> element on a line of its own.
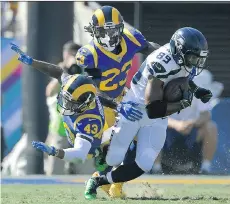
<point x="54" y="31"/>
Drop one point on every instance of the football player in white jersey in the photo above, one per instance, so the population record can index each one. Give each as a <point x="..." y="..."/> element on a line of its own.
<point x="185" y="54"/>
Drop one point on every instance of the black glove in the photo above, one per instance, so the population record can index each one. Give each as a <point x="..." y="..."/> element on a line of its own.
<point x="74" y="69"/>
<point x="187" y="99"/>
<point x="203" y="94"/>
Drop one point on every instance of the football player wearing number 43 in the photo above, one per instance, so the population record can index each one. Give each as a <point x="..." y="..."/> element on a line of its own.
<point x="186" y="52"/>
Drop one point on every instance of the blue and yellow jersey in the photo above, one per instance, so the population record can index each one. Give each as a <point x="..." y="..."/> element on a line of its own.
<point x="88" y="124"/>
<point x="114" y="67"/>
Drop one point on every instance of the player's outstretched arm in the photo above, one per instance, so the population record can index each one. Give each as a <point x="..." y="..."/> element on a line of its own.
<point x="59" y="153"/>
<point x="51" y="70"/>
<point x="78" y="152"/>
<point x="151" y="46"/>
<point x="155" y="106"/>
<point x="50" y="150"/>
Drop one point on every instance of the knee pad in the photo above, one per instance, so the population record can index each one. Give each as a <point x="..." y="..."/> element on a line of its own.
<point x="146" y="159"/>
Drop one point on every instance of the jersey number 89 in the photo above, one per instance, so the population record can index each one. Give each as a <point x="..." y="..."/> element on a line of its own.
<point x="138" y="75"/>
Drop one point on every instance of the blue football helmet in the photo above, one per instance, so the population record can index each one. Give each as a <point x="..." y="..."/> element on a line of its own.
<point x="107" y="27"/>
<point x="189" y="49"/>
<point x="77" y="95"/>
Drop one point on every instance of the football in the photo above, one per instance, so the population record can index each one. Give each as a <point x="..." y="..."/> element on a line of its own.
<point x="173" y="91"/>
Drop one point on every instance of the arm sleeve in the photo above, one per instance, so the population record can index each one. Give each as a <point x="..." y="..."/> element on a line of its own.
<point x="80" y="150"/>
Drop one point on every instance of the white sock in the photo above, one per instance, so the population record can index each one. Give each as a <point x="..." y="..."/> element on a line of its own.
<point x="206" y="165"/>
<point x="109" y="177"/>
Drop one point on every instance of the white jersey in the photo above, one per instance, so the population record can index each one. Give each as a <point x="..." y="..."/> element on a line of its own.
<point x="159" y="64"/>
<point x="150" y="133"/>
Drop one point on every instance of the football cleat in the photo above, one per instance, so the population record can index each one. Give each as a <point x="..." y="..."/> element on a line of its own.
<point x="91" y="189"/>
<point x="105" y="188"/>
<point x="116" y="191"/>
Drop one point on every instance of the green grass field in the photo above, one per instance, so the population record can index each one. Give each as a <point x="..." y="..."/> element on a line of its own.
<point x="145" y="190"/>
<point x="136" y="193"/>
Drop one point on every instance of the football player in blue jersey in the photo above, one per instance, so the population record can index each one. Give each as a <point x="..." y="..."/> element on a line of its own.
<point x="108" y="58"/>
<point x="83" y="119"/>
<point x="81" y="108"/>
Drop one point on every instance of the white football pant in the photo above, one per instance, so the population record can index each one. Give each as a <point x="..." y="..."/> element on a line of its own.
<point x="151" y="134"/>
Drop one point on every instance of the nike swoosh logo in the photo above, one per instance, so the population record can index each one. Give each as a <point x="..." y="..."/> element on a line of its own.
<point x="92" y="119"/>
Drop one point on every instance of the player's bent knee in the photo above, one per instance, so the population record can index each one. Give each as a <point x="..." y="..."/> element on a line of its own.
<point x="114" y="158"/>
<point x="146" y="159"/>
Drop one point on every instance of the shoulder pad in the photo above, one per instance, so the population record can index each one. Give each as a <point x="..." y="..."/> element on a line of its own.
<point x="135" y="36"/>
<point x="89" y="124"/>
<point x="86" y="57"/>
<point x="162" y="72"/>
<point x="161" y="64"/>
